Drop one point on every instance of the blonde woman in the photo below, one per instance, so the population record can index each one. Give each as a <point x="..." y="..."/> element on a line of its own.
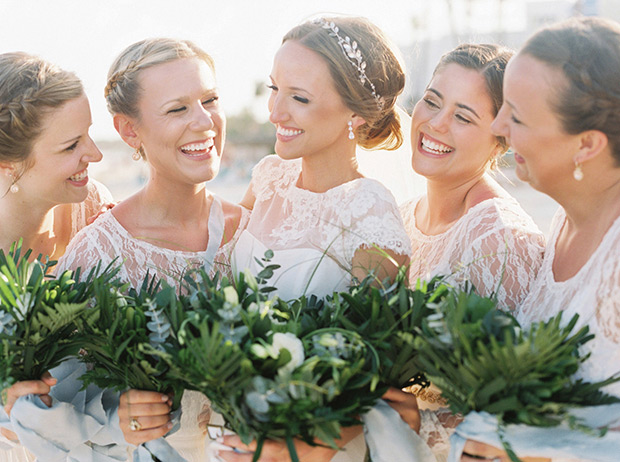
<point x="163" y="97"/>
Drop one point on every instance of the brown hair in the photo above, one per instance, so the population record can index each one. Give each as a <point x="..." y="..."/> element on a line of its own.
<point x="29" y="88"/>
<point x="382" y="128"/>
<point x="587" y="52"/>
<point x="488" y="59"/>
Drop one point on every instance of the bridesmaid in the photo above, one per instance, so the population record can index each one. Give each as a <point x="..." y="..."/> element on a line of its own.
<point x="164" y="100"/>
<point x="561" y="116"/>
<point x="45" y="193"/>
<point x="466" y="226"/>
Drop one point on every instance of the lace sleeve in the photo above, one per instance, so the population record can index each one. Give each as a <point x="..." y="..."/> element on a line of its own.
<point x="504" y="262"/>
<point x="374" y="220"/>
<point x="436" y="428"/>
<point x="271" y="174"/>
<point x="98" y="195"/>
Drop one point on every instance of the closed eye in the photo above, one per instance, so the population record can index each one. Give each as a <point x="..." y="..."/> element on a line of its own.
<point x="72" y="147"/>
<point x="301" y="99"/>
<point x="178" y="109"/>
<point x="430" y="103"/>
<point x="210" y="100"/>
<point x="463" y="118"/>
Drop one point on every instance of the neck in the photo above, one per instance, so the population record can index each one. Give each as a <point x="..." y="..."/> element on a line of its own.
<point x="593" y="204"/>
<point x="321" y="173"/>
<point x="32" y="222"/>
<point x="167" y="202"/>
<point x="446" y="202"/>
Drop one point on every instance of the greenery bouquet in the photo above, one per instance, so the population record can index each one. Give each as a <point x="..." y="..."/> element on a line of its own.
<point x="482" y="360"/>
<point x="387" y="317"/>
<point x="39" y="314"/>
<point x="273" y="369"/>
<point x="124" y="341"/>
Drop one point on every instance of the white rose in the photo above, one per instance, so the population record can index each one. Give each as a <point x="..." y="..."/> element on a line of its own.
<point x="291" y="343"/>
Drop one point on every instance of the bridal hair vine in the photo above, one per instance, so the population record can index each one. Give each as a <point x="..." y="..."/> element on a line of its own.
<point x="352" y="54"/>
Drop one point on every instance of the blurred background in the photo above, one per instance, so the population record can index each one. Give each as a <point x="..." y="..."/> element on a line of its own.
<point x="242" y="36"/>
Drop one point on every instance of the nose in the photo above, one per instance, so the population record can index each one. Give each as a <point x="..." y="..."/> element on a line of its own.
<point x="203" y="119"/>
<point x="440" y="120"/>
<point x="92" y="153"/>
<point x="499" y="126"/>
<point x="277" y="109"/>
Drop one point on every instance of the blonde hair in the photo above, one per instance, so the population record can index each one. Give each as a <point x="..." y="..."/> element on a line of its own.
<point x="382" y="129"/>
<point x="122" y="91"/>
<point x="29" y="89"/>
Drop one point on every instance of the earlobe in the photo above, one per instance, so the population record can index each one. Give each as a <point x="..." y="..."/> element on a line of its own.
<point x="126" y="129"/>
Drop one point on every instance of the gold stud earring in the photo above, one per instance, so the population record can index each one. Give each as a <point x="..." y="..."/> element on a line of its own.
<point x="578" y="172"/>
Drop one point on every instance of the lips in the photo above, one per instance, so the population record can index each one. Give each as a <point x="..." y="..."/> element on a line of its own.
<point x="518" y="158"/>
<point x="287" y="134"/>
<point x="80" y="178"/>
<point x="433" y="146"/>
<point x="198" y="149"/>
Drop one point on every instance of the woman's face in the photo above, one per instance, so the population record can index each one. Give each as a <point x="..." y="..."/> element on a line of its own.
<point x="307" y="111"/>
<point x="58" y="172"/>
<point x="543" y="151"/>
<point x="181" y="127"/>
<point x="451" y="127"/>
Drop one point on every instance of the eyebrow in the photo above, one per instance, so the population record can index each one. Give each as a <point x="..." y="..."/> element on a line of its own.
<point x="292" y="88"/>
<point x="460" y="105"/>
<point x="183" y="99"/>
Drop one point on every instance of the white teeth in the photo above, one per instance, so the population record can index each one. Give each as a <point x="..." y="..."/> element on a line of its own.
<point x="79" y="176"/>
<point x="193" y="147"/>
<point x="436" y="148"/>
<point x="288" y="132"/>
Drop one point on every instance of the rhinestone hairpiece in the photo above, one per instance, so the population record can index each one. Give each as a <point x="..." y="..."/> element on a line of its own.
<point x="352" y="54"/>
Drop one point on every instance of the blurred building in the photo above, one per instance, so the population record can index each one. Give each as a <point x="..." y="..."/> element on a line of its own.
<point x="422" y="56"/>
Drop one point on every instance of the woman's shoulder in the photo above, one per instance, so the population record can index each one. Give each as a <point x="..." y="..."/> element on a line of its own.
<point x="273" y="172"/>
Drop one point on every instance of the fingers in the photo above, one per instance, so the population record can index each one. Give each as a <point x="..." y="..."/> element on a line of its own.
<point x="48" y="379"/>
<point x="406" y="405"/>
<point x="144" y="415"/>
<point x="19" y="389"/>
<point x="398" y="396"/>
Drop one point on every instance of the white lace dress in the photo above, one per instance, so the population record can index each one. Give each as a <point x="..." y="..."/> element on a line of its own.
<point x="593" y="293"/>
<point x="497" y="247"/>
<point x="98" y="195"/>
<point x="106" y="239"/>
<point x="314" y="236"/>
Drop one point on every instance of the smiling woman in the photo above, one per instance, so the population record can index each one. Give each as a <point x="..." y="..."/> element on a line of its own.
<point x="163" y="97"/>
<point x="466" y="227"/>
<point x="45" y="193"/>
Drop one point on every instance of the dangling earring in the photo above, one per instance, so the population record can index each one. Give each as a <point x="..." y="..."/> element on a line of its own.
<point x="137" y="155"/>
<point x="578" y="172"/>
<point x="351" y="134"/>
<point x="14" y="188"/>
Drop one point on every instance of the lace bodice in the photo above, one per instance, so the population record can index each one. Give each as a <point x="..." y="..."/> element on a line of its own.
<point x="315" y="235"/>
<point x="494" y="245"/>
<point x="106" y="239"/>
<point x="593" y="293"/>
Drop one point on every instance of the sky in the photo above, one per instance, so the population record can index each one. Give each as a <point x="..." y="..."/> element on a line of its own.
<point x="242" y="35"/>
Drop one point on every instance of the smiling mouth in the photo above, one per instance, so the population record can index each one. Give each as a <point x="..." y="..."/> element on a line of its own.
<point x="197" y="149"/>
<point x="434" y="147"/>
<point x="288" y="131"/>
<point x="80" y="176"/>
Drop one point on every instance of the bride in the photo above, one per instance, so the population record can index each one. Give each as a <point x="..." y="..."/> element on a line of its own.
<point x="334" y="84"/>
